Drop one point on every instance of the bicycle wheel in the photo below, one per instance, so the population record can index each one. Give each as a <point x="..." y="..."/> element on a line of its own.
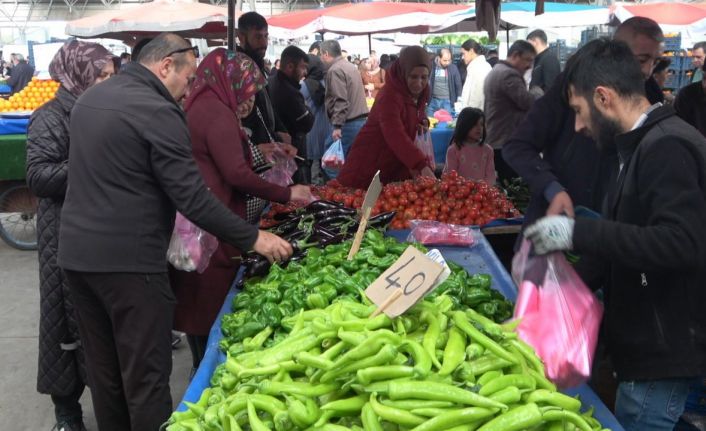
<point x="18" y="217"/>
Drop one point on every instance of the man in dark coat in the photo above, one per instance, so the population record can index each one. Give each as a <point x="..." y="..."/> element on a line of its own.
<point x="651" y="241"/>
<point x="264" y="125"/>
<point x="690" y="104"/>
<point x="563" y="168"/>
<point x="546" y="64"/>
<point x="22" y="73"/>
<point x="284" y="90"/>
<point x="445" y="83"/>
<point x="130" y="169"/>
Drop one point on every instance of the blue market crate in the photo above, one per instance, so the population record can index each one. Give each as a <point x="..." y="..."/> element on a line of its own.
<point x="672" y="43"/>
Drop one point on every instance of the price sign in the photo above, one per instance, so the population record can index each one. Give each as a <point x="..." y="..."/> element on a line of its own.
<point x="371" y="196"/>
<point x="413" y="274"/>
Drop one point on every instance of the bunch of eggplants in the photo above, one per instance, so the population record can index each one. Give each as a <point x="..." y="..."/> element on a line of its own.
<point x="317" y="225"/>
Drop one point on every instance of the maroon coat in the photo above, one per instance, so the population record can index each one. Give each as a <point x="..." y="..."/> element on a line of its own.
<point x="222" y="153"/>
<point x="386" y="141"/>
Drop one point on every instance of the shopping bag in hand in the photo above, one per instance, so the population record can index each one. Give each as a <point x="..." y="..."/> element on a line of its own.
<point x="423" y="142"/>
<point x="559" y="315"/>
<point x="334" y="157"/>
<point x="191" y="247"/>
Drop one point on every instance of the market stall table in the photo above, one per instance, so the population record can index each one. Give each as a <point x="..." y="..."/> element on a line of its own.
<point x="13" y="126"/>
<point x="479" y="258"/>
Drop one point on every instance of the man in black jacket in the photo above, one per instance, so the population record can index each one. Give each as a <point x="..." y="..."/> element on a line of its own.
<point x="564" y="168"/>
<point x="651" y="241"/>
<point x="546" y="63"/>
<point x="284" y="90"/>
<point x="22" y="73"/>
<point x="130" y="169"/>
<point x="264" y="125"/>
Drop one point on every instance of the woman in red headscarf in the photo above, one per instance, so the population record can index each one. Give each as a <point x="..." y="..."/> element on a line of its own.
<point x="223" y="93"/>
<point x="386" y="141"/>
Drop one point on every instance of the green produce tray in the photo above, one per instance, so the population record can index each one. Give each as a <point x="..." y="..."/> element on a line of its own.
<point x="12" y="157"/>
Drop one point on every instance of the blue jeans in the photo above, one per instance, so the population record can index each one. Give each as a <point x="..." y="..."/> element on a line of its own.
<point x="653" y="405"/>
<point x="436" y="104"/>
<point x="349" y="131"/>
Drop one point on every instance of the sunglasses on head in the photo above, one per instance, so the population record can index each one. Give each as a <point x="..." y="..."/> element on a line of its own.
<point x="195" y="50"/>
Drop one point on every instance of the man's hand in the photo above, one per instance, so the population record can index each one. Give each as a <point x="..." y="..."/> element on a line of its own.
<point x="337" y="134"/>
<point x="561" y="204"/>
<point x="300" y="193"/>
<point x="551" y="233"/>
<point x="288" y="149"/>
<point x="274" y="248"/>
<point x="285" y="137"/>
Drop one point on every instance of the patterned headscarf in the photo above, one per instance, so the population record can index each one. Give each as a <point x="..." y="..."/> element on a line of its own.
<point x="78" y="64"/>
<point x="232" y="76"/>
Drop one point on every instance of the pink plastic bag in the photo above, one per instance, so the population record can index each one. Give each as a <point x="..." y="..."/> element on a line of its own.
<point x="560" y="316"/>
<point x="191" y="247"/>
<point x="429" y="232"/>
<point x="283" y="168"/>
<point x="424" y="143"/>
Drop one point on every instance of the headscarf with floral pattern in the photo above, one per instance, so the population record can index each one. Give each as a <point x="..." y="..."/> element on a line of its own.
<point x="232" y="76"/>
<point x="78" y="64"/>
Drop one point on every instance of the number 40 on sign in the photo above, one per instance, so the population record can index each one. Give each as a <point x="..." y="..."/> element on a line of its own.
<point x="404" y="283"/>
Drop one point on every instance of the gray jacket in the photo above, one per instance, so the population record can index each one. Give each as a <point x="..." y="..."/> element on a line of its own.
<point x="345" y="95"/>
<point x="507" y="101"/>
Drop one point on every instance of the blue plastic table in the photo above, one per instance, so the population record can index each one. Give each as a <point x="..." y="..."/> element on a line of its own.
<point x="440" y="138"/>
<point x="479" y="258"/>
<point x="5" y="89"/>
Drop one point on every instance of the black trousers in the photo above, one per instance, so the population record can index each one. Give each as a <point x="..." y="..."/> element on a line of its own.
<point x="125" y="323"/>
<point x="505" y="172"/>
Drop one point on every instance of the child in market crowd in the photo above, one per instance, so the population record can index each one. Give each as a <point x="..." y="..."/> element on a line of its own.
<point x="468" y="154"/>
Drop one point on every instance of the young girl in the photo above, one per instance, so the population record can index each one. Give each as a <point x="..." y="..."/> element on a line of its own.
<point x="467" y="154"/>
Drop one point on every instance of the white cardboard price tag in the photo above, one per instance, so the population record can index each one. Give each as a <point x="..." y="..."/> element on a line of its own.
<point x="414" y="273"/>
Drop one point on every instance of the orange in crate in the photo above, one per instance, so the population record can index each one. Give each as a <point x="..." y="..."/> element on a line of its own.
<point x="34" y="95"/>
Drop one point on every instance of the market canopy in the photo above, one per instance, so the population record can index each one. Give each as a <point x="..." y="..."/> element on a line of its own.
<point x="689" y="18"/>
<point x="188" y="18"/>
<point x="521" y="15"/>
<point x="372" y="17"/>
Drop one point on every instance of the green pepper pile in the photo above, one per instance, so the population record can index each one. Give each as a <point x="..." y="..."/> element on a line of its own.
<point x="432" y="369"/>
<point x="325" y="274"/>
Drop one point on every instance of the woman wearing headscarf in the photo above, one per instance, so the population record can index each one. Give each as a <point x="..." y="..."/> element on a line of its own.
<point x="77" y="66"/>
<point x="387" y="140"/>
<point x="222" y="94"/>
<point x="314" y="92"/>
<point x="373" y="76"/>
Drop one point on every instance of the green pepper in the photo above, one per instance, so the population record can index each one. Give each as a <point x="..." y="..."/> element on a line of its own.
<point x="521" y="381"/>
<point x="382" y="262"/>
<point x="316" y="300"/>
<point x="421" y="359"/>
<point x="384" y="372"/>
<point x="397" y="416"/>
<point x="386" y="354"/>
<point x="482" y="281"/>
<point x="488" y="376"/>
<point x="428" y="390"/>
<point x="550" y="415"/>
<point x="454" y="352"/>
<point x="509" y="395"/>
<point x="476" y="295"/>
<point x="431" y="336"/>
<point x="453" y="418"/>
<point x="295" y="388"/>
<point x="369" y="418"/>
<point x="241" y="300"/>
<point x="488" y="308"/>
<point x="463" y="324"/>
<point x="520" y="418"/>
<point x="543" y="396"/>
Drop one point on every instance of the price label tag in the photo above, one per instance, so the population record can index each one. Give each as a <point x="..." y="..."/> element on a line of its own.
<point x="413" y="273"/>
<point x="436" y="256"/>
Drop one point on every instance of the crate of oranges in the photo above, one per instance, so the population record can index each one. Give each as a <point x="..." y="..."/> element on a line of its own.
<point x="35" y="94"/>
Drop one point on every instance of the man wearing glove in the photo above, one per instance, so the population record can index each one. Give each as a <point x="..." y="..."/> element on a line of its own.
<point x="651" y="241"/>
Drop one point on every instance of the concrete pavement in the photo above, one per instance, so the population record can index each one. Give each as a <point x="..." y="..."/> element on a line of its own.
<point x="21" y="407"/>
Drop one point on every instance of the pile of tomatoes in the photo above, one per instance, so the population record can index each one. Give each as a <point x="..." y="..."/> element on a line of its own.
<point x="453" y="199"/>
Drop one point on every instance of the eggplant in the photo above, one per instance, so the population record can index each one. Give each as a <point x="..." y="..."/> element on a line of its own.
<point x="322" y="205"/>
<point x="382" y="219"/>
<point x="334" y="212"/>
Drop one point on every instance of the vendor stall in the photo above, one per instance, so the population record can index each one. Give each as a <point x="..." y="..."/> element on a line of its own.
<point x="479" y="258"/>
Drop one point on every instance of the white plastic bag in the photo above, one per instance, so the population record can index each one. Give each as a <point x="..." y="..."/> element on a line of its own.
<point x="334" y="158"/>
<point x="191" y="247"/>
<point x="424" y="143"/>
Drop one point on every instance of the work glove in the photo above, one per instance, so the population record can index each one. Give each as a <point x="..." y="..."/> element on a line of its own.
<point x="551" y="233"/>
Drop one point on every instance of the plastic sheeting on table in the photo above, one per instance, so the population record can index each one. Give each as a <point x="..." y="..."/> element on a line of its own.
<point x="13" y="126"/>
<point x="5" y="89"/>
<point x="480" y="257"/>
